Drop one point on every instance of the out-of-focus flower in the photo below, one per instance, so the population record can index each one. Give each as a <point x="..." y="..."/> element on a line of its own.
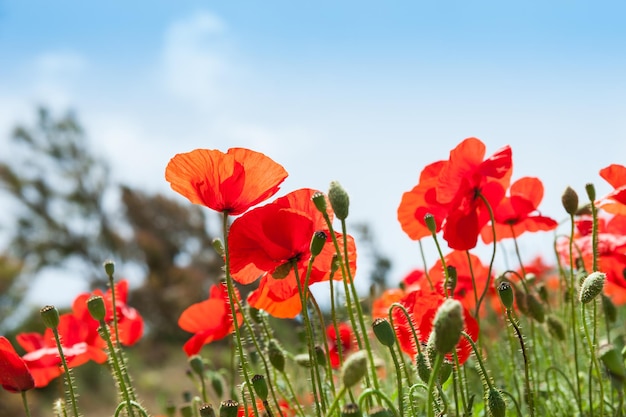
<point x="344" y="344"/>
<point x="14" y="374"/>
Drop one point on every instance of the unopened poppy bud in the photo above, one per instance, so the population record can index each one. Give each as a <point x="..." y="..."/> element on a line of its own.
<point x="96" y="307"/>
<point x="109" y="267"/>
<point x="556" y="328"/>
<point x="217" y="383"/>
<point x="197" y="365"/>
<point x="610" y="311"/>
<point x="354" y="368"/>
<point x="170" y="410"/>
<point x="505" y="292"/>
<point x="260" y="386"/>
<point x="430" y="222"/>
<point x="276" y="355"/>
<point x="50" y="316"/>
<point x="351" y="410"/>
<point x="207" y="411"/>
<point x="186" y="410"/>
<point x="320" y="355"/>
<point x="218" y="245"/>
<point x="317" y="242"/>
<point x="452" y="279"/>
<point x="543" y="292"/>
<point x="303" y="359"/>
<point x="229" y="408"/>
<point x="520" y="299"/>
<point x="383" y="331"/>
<point x="591" y="191"/>
<point x="379" y="411"/>
<point x="495" y="403"/>
<point x="447" y="326"/>
<point x="613" y="361"/>
<point x="569" y="199"/>
<point x="319" y="199"/>
<point x="445" y="371"/>
<point x="535" y="308"/>
<point x="423" y="370"/>
<point x="592" y="287"/>
<point x="339" y="200"/>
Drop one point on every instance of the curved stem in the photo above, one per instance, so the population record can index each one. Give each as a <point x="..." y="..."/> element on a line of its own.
<point x="529" y="392"/>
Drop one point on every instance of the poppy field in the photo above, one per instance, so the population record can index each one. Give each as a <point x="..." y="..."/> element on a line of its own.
<point x="459" y="336"/>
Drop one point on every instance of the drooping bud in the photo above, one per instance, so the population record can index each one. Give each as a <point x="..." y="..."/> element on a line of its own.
<point x="229" y="408"/>
<point x="495" y="403"/>
<point x="430" y="222"/>
<point x="260" y="386"/>
<point x="217" y="383"/>
<point x="383" y="332"/>
<point x="109" y="267"/>
<point x="592" y="286"/>
<point x="339" y="200"/>
<point x="556" y="328"/>
<point x="50" y="317"/>
<point x="591" y="191"/>
<point x="276" y="355"/>
<point x="218" y="245"/>
<point x="447" y="326"/>
<point x="207" y="411"/>
<point x="351" y="410"/>
<point x="354" y="368"/>
<point x="535" y="308"/>
<point x="569" y="199"/>
<point x="505" y="292"/>
<point x="319" y="199"/>
<point x="610" y="311"/>
<point x="96" y="307"/>
<point x="317" y="242"/>
<point x="197" y="365"/>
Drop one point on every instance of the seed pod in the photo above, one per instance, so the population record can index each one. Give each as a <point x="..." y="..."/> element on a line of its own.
<point x="109" y="267"/>
<point x="207" y="411"/>
<point x="431" y="224"/>
<point x="96" y="307"/>
<point x="380" y="412"/>
<point x="317" y="242"/>
<point x="50" y="316"/>
<point x="505" y="292"/>
<point x="260" y="386"/>
<point x="319" y="199"/>
<point x="229" y="408"/>
<point x="383" y="332"/>
<point x="197" y="365"/>
<point x="351" y="410"/>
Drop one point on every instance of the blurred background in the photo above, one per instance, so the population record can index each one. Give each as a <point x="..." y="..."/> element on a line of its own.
<point x="96" y="97"/>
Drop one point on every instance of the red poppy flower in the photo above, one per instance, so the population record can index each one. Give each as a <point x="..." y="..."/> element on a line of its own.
<point x="229" y="182"/>
<point x="210" y="319"/>
<point x="78" y="343"/>
<point x="615" y="201"/>
<point x="14" y="374"/>
<point x="343" y="345"/>
<point x="450" y="191"/>
<point x="518" y="213"/>
<point x="129" y="322"/>
<point x="422" y="306"/>
<point x="274" y="237"/>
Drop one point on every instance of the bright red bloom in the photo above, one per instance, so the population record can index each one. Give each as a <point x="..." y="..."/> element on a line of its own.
<point x="422" y="305"/>
<point x="210" y="319"/>
<point x="14" y="374"/>
<point x="451" y="191"/>
<point x="77" y="340"/>
<point x="229" y="182"/>
<point x="273" y="238"/>
<point x="343" y="345"/>
<point x="615" y="201"/>
<point x="518" y="212"/>
<point x="129" y="322"/>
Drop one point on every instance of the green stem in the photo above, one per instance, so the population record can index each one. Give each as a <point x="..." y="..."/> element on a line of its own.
<point x="493" y="257"/>
<point x="68" y="376"/>
<point x="431" y="384"/>
<point x="572" y="298"/>
<point x="25" y="403"/>
<point x="398" y="380"/>
<point x="117" y="369"/>
<point x="594" y="364"/>
<point x="529" y="392"/>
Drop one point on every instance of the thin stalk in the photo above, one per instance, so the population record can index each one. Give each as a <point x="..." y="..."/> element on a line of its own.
<point x="68" y="376"/>
<point x="594" y="364"/>
<point x="529" y="392"/>
<point x="25" y="403"/>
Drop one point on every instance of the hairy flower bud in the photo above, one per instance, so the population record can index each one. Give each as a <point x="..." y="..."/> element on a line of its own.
<point x="354" y="368"/>
<point x="591" y="287"/>
<point x="339" y="200"/>
<point x="423" y="369"/>
<point x="556" y="328"/>
<point x="50" y="316"/>
<point x="495" y="403"/>
<point x="535" y="308"/>
<point x="452" y="279"/>
<point x="569" y="199"/>
<point x="447" y="326"/>
<point x="612" y="361"/>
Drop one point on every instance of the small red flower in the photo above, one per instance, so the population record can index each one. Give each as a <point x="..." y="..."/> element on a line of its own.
<point x="14" y="374"/>
<point x="344" y="344"/>
<point x="278" y="236"/>
<point x="518" y="212"/>
<point x="130" y="323"/>
<point x="210" y="319"/>
<point x="230" y="182"/>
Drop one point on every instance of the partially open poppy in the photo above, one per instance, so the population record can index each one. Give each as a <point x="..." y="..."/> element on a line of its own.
<point x="14" y="374"/>
<point x="210" y="319"/>
<point x="230" y="182"/>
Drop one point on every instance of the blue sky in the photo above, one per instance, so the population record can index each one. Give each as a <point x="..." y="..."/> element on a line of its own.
<point x="362" y="92"/>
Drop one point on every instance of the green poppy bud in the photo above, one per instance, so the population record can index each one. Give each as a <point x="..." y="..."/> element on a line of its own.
<point x="613" y="361"/>
<point x="276" y="355"/>
<point x="535" y="308"/>
<point x="260" y="386"/>
<point x="592" y="286"/>
<point x="170" y="409"/>
<point x="186" y="410"/>
<point x="430" y="222"/>
<point x="556" y="328"/>
<point x="339" y="200"/>
<point x="317" y="242"/>
<point x="96" y="307"/>
<point x="255" y="314"/>
<point x="229" y="408"/>
<point x="569" y="199"/>
<point x="217" y="383"/>
<point x="50" y="317"/>
<point x="303" y="359"/>
<point x="320" y="355"/>
<point x="197" y="365"/>
<point x="218" y="245"/>
<point x="591" y="191"/>
<point x="495" y="403"/>
<point x="109" y="267"/>
<point x="207" y="411"/>
<point x="383" y="332"/>
<point x="445" y="371"/>
<point x="610" y="311"/>
<point x="423" y="369"/>
<point x="319" y="199"/>
<point x="354" y="368"/>
<point x="351" y="410"/>
<point x="447" y="326"/>
<point x="505" y="292"/>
